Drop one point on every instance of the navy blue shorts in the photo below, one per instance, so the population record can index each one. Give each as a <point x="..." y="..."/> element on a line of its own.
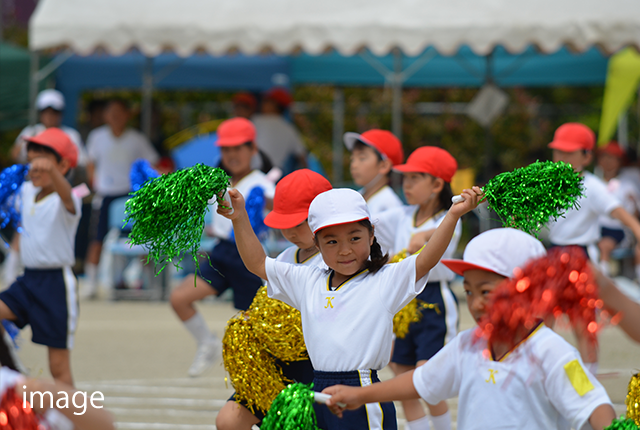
<point x="297" y="371"/>
<point x="369" y="416"/>
<point x="47" y="300"/>
<point x="616" y="234"/>
<point x="101" y="228"/>
<point x="227" y="270"/>
<point x="439" y="324"/>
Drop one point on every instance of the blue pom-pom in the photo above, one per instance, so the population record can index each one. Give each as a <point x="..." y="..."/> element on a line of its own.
<point x="11" y="180"/>
<point x="12" y="330"/>
<point x="141" y="172"/>
<point x="254" y="204"/>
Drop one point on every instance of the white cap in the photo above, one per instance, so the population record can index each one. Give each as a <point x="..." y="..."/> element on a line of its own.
<point x="500" y="250"/>
<point x="50" y="99"/>
<point x="335" y="207"/>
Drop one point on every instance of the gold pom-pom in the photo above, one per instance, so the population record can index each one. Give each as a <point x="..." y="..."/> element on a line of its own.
<point x="407" y="315"/>
<point x="399" y="256"/>
<point x="253" y="372"/>
<point x="278" y="326"/>
<point x="633" y="399"/>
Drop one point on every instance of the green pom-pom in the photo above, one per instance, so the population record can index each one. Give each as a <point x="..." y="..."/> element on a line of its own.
<point x="168" y="212"/>
<point x="292" y="409"/>
<point x="622" y="424"/>
<point x="528" y="197"/>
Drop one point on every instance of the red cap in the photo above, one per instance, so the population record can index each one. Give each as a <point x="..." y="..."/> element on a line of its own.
<point x="573" y="136"/>
<point x="613" y="148"/>
<point x="235" y="131"/>
<point x="383" y="141"/>
<point x="280" y="96"/>
<point x="294" y="194"/>
<point x="60" y="142"/>
<point x="432" y="160"/>
<point x="246" y="99"/>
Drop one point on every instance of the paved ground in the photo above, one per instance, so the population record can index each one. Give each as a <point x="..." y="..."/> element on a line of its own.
<point x="137" y="354"/>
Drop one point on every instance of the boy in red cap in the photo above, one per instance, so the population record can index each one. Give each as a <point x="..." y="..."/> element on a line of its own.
<point x="573" y="143"/>
<point x="275" y="135"/>
<point x="45" y="297"/>
<point x="236" y="139"/>
<point x="538" y="384"/>
<point x="426" y="183"/>
<point x="610" y="161"/>
<point x="374" y="153"/>
<point x="294" y="194"/>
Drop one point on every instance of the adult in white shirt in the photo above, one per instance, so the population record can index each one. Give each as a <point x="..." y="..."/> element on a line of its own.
<point x="276" y="136"/>
<point x="112" y="149"/>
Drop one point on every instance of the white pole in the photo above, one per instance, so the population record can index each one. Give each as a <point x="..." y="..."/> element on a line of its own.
<point x="33" y="87"/>
<point x="338" y="131"/>
<point x="396" y="104"/>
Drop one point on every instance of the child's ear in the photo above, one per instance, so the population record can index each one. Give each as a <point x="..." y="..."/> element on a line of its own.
<point x="385" y="166"/>
<point x="438" y="185"/>
<point x="64" y="166"/>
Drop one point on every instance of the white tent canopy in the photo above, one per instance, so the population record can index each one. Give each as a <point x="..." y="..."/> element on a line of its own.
<point x="313" y="26"/>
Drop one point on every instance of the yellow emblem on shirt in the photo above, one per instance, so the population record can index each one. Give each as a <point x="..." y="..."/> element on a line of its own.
<point x="492" y="376"/>
<point x="329" y="302"/>
<point x="578" y="377"/>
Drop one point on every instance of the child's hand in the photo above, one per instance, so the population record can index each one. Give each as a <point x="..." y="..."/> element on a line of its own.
<point x="471" y="199"/>
<point x="342" y="394"/>
<point x="41" y="164"/>
<point x="233" y="210"/>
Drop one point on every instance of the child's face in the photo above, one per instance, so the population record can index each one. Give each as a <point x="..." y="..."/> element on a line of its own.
<point x="609" y="162"/>
<point x="366" y="165"/>
<point x="478" y="284"/>
<point x="300" y="235"/>
<point x="39" y="177"/>
<point x="237" y="159"/>
<point x="345" y="248"/>
<point x="578" y="159"/>
<point x="420" y="188"/>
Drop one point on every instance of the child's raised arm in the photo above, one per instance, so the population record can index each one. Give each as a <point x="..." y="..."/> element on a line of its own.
<point x="399" y="388"/>
<point x="249" y="246"/>
<point x="437" y="245"/>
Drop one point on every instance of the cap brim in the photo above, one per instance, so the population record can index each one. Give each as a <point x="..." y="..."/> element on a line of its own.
<point x="410" y="168"/>
<point x="350" y="138"/>
<point x="282" y="221"/>
<point x="461" y="266"/>
<point x="230" y="142"/>
<point x="565" y="146"/>
<point x="336" y="222"/>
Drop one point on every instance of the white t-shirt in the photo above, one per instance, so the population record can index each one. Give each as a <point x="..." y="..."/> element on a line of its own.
<point x="34" y="130"/>
<point x="350" y="328"/>
<point x="628" y="196"/>
<point x="49" y="229"/>
<point x="532" y="388"/>
<point x="291" y="255"/>
<point x="113" y="157"/>
<point x="278" y="138"/>
<point x="395" y="227"/>
<point x="580" y="226"/>
<point x="384" y="199"/>
<point x="222" y="226"/>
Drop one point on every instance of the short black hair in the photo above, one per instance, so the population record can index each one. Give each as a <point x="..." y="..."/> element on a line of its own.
<point x="36" y="147"/>
<point x="361" y="145"/>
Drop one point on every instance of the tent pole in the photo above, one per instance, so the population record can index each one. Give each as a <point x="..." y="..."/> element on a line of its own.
<point x="338" y="131"/>
<point x="396" y="105"/>
<point x="33" y="86"/>
<point x="147" y="96"/>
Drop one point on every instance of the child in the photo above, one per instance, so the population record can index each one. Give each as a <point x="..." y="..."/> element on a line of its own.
<point x="46" y="295"/>
<point x="573" y="143"/>
<point x="236" y="139"/>
<point x="534" y="385"/>
<point x="294" y="194"/>
<point x="426" y="184"/>
<point x="373" y="154"/>
<point x="347" y="311"/>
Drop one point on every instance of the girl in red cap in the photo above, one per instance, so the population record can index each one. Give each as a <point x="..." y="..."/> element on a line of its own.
<point x="347" y="310"/>
<point x="373" y="155"/>
<point x="426" y="183"/>
<point x="293" y="196"/>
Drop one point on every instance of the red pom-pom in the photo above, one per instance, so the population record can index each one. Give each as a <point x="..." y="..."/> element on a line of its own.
<point x="13" y="416"/>
<point x="559" y="283"/>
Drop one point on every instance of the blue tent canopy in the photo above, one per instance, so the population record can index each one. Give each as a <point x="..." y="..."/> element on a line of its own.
<point x="258" y="73"/>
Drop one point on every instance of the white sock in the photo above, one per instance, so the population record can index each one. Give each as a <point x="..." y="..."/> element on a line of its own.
<point x="604" y="268"/>
<point x="419" y="424"/>
<point x="91" y="277"/>
<point x="638" y="272"/>
<point x="197" y="326"/>
<point x="592" y="367"/>
<point x="441" y="422"/>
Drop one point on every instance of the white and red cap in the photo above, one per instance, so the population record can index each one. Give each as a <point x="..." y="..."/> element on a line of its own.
<point x="50" y="99"/>
<point x="500" y="251"/>
<point x="383" y="141"/>
<point x="336" y="207"/>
